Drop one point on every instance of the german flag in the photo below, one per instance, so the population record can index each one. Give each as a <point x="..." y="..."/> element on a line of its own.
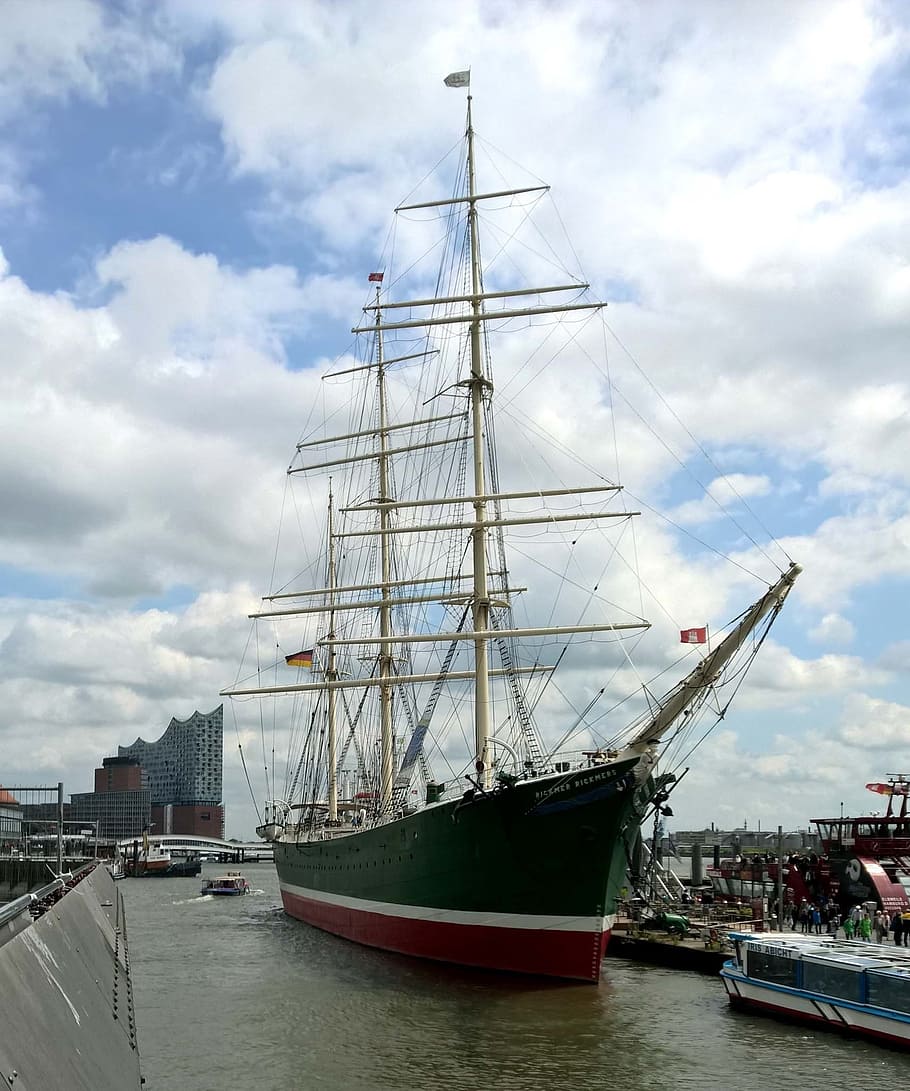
<point x="300" y="659"/>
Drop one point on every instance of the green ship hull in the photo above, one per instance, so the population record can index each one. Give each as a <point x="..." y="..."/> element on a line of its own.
<point x="522" y="879"/>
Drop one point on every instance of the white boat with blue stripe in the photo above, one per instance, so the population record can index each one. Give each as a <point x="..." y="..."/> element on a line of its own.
<point x="848" y="985"/>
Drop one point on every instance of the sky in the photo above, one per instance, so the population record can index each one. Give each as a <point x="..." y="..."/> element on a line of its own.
<point x="191" y="196"/>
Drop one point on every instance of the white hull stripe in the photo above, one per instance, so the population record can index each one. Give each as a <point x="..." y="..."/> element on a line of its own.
<point x="488" y="919"/>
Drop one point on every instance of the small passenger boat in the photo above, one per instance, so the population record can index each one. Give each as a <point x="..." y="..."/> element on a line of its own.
<point x="115" y="868"/>
<point x="230" y="884"/>
<point x="850" y="985"/>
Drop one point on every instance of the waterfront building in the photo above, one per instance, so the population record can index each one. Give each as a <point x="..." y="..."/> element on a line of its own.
<point x="740" y="840"/>
<point x="182" y="771"/>
<point x="118" y="814"/>
<point x="120" y="805"/>
<point x="10" y="816"/>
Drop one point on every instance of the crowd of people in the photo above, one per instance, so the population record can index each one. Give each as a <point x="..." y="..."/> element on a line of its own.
<point x="860" y="923"/>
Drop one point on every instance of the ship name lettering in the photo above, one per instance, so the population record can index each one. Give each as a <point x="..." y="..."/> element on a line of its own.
<point x="589" y="778"/>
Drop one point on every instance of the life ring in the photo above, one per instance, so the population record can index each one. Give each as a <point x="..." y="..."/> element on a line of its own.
<point x="713" y="936"/>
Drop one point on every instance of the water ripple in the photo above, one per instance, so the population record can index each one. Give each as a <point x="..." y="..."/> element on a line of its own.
<point x="238" y="980"/>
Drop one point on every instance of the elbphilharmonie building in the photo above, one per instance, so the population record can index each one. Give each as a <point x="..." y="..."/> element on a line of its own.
<point x="183" y="771"/>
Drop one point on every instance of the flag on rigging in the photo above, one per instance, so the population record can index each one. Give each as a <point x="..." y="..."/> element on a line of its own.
<point x="375" y="277"/>
<point x="458" y="79"/>
<point x="693" y="636"/>
<point x="896" y="789"/>
<point x="300" y="659"/>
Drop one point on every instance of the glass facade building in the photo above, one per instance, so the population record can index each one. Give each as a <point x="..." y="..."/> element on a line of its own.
<point x="182" y="772"/>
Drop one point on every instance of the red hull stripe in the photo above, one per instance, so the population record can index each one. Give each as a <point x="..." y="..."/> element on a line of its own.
<point x="548" y="952"/>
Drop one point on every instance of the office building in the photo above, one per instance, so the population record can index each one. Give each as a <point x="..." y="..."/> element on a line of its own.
<point x="118" y="814"/>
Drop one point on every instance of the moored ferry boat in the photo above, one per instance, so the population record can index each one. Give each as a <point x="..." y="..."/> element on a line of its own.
<point x="847" y="985"/>
<point x="154" y="861"/>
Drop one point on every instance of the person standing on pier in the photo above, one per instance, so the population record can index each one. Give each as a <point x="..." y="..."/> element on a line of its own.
<point x="897" y="928"/>
<point x="865" y="926"/>
<point x="856" y="913"/>
<point x="833" y="919"/>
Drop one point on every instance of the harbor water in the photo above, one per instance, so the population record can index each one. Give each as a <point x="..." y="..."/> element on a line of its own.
<point x="230" y="992"/>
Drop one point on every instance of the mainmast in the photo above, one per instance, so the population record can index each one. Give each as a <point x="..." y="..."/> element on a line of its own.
<point x="477" y="385"/>
<point x="385" y="608"/>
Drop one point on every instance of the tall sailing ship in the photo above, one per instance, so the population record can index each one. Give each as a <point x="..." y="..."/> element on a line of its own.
<point x="447" y="796"/>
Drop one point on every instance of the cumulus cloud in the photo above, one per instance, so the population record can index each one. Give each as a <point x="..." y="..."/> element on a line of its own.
<point x="732" y="784"/>
<point x="896" y="657"/>
<point x="874" y="723"/>
<point x="710" y="168"/>
<point x="721" y="495"/>
<point x="56" y="51"/>
<point x="833" y="629"/>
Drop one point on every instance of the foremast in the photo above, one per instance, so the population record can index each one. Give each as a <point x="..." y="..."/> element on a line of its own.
<point x="386" y="773"/>
<point x="331" y="673"/>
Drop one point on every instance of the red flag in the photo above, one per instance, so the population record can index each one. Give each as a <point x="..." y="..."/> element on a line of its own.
<point x="375" y="277"/>
<point x="693" y="636"/>
<point x="889" y="789"/>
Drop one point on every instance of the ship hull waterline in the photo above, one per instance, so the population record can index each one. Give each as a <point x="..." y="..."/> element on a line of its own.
<point x="835" y="1014"/>
<point x="521" y="880"/>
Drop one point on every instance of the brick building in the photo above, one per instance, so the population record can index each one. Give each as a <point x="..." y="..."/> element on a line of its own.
<point x="120" y="804"/>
